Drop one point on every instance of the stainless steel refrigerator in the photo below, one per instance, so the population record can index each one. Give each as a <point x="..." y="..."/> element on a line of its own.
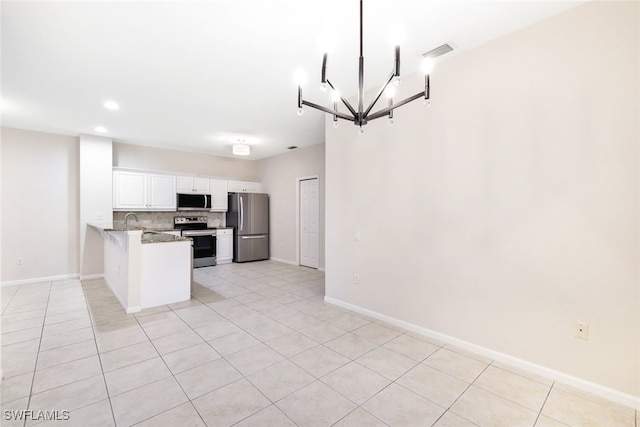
<point x="248" y="214"/>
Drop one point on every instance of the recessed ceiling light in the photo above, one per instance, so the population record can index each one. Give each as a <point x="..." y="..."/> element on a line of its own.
<point x="111" y="105"/>
<point x="101" y="129"/>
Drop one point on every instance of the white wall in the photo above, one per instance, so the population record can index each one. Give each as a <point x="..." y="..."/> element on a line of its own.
<point x="279" y="175"/>
<point x="148" y="158"/>
<point x="39" y="205"/>
<point x="95" y="200"/>
<point x="507" y="211"/>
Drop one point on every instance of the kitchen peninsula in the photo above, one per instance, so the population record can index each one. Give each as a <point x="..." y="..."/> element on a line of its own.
<point x="145" y="268"/>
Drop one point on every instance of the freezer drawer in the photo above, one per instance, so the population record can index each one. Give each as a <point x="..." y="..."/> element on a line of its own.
<point x="251" y="248"/>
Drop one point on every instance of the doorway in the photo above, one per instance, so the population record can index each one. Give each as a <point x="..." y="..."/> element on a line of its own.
<point x="309" y="227"/>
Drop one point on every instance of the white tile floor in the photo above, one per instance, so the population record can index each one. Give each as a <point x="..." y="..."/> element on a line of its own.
<point x="262" y="350"/>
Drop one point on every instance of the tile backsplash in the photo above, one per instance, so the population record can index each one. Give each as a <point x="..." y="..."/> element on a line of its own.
<point x="165" y="219"/>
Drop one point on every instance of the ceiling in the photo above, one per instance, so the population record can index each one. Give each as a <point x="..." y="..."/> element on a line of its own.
<point x="199" y="76"/>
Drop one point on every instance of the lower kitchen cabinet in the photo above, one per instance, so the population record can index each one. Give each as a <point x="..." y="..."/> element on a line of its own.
<point x="224" y="247"/>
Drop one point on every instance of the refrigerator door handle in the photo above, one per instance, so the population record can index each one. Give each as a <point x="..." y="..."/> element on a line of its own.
<point x="253" y="237"/>
<point x="241" y="212"/>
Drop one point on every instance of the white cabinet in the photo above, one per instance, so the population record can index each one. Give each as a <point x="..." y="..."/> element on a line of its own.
<point x="218" y="195"/>
<point x="224" y="246"/>
<point x="192" y="184"/>
<point x="142" y="192"/>
<point x="162" y="192"/>
<point x="129" y="190"/>
<point x="243" y="186"/>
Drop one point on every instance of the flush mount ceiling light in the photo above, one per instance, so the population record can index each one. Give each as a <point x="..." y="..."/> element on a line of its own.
<point x="362" y="116"/>
<point x="241" y="149"/>
<point x="111" y="105"/>
<point x="101" y="129"/>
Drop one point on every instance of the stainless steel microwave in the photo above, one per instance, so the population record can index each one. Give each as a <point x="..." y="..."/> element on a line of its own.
<point x="194" y="202"/>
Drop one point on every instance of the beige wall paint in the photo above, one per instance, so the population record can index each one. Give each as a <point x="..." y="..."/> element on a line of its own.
<point x="148" y="158"/>
<point x="279" y="175"/>
<point x="40" y="207"/>
<point x="508" y="210"/>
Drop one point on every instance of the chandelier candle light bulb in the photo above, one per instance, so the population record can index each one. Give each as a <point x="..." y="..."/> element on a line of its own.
<point x="362" y="116"/>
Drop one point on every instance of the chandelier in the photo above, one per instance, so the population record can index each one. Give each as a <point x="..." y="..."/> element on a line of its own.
<point x="362" y="116"/>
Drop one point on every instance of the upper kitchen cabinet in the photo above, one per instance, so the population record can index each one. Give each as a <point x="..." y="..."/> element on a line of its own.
<point x="162" y="192"/>
<point x="193" y="185"/>
<point x="138" y="191"/>
<point x="218" y="195"/>
<point x="243" y="186"/>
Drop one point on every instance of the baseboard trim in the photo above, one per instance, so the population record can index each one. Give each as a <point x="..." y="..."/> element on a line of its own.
<point x="284" y="261"/>
<point x="581" y="384"/>
<point x="92" y="277"/>
<point x="40" y="279"/>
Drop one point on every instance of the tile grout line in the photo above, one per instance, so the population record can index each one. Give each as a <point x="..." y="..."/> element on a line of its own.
<point x="246" y="377"/>
<point x="95" y="341"/>
<point x="544" y="403"/>
<point x="169" y="369"/>
<point x="465" y="390"/>
<point x="35" y="366"/>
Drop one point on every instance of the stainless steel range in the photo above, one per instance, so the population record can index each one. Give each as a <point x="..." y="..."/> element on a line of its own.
<point x="203" y="238"/>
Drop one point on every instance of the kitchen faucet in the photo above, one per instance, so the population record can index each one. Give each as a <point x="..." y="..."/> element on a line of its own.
<point x="126" y="218"/>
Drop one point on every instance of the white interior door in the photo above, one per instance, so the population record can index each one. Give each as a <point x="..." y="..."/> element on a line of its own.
<point x="309" y="227"/>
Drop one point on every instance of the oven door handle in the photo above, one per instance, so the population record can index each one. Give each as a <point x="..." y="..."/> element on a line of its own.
<point x="202" y="233"/>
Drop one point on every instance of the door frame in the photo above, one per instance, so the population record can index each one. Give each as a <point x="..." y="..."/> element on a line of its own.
<point x="298" y="185"/>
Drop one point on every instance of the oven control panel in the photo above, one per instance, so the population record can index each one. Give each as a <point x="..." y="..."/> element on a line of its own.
<point x="189" y="219"/>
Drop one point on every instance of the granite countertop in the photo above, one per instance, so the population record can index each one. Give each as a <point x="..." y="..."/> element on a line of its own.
<point x="160" y="237"/>
<point x="114" y="227"/>
<point x="155" y="235"/>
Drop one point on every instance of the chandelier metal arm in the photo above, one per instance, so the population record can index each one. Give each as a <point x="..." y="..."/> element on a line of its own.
<point x="386" y="111"/>
<point x="360" y="116"/>
<point x="361" y="89"/>
<point x="324" y="68"/>
<point x="328" y="110"/>
<point x="380" y="92"/>
<point x="344" y="101"/>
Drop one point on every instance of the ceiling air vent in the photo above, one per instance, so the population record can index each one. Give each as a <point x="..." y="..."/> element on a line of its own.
<point x="440" y="50"/>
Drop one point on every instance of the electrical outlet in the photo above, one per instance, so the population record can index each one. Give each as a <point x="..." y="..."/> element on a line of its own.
<point x="582" y="330"/>
<point x="356" y="236"/>
<point x="19" y="261"/>
<point x="356" y="278"/>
